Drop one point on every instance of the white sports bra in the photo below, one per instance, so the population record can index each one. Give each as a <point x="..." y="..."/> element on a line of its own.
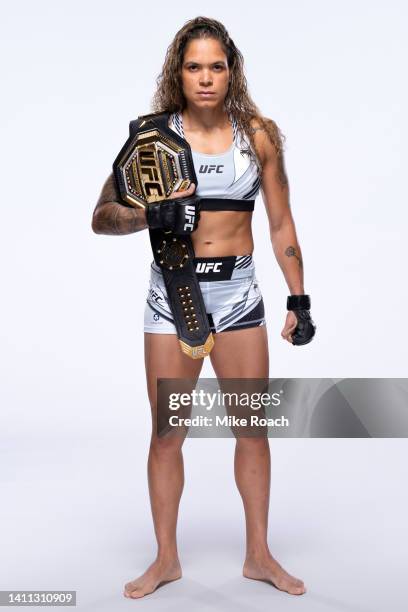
<point x="233" y="176"/>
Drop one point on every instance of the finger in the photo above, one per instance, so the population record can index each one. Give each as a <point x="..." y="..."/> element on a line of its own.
<point x="185" y="192"/>
<point x="290" y="334"/>
<point x="287" y="334"/>
<point x="182" y="193"/>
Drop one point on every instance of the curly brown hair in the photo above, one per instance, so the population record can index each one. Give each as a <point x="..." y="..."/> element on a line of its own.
<point x="169" y="95"/>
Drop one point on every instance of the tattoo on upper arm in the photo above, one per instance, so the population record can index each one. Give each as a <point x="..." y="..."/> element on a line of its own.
<point x="281" y="172"/>
<point x="109" y="192"/>
<point x="291" y="252"/>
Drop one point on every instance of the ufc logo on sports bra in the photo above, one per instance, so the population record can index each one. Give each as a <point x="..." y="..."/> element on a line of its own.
<point x="211" y="266"/>
<point x="189" y="217"/>
<point x="205" y="169"/>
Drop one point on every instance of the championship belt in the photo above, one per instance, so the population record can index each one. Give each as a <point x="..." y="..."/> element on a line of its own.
<point x="154" y="162"/>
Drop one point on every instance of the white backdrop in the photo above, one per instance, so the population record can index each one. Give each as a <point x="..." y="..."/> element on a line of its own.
<point x="74" y="411"/>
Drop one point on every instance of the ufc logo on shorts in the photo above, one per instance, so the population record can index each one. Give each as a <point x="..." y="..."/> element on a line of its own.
<point x="154" y="295"/>
<point x="208" y="169"/>
<point x="190" y="218"/>
<point x="209" y="266"/>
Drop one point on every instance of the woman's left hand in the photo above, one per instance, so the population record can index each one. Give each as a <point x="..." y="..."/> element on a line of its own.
<point x="290" y="326"/>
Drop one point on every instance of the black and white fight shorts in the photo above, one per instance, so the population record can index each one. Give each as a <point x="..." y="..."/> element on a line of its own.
<point x="231" y="294"/>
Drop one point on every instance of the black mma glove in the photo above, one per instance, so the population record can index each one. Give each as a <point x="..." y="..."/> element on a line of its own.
<point x="179" y="216"/>
<point x="305" y="329"/>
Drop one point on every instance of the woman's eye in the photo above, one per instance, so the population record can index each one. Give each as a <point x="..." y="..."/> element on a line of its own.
<point x="218" y="67"/>
<point x="192" y="67"/>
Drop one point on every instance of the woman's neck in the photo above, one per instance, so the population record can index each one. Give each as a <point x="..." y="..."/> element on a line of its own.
<point x="199" y="119"/>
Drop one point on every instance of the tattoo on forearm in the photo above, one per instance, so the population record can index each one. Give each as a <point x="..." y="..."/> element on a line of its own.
<point x="291" y="252"/>
<point x="113" y="218"/>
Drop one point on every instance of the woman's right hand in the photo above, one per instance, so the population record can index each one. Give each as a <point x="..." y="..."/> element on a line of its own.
<point x="179" y="213"/>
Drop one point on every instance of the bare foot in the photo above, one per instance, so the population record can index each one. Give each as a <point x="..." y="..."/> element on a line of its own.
<point x="268" y="569"/>
<point x="156" y="574"/>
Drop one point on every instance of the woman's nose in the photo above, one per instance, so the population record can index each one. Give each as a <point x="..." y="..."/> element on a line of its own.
<point x="206" y="78"/>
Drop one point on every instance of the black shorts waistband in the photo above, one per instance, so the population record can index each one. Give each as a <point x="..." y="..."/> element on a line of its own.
<point x="220" y="268"/>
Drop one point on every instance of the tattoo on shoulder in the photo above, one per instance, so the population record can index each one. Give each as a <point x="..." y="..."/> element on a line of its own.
<point x="292" y="252"/>
<point x="257" y="129"/>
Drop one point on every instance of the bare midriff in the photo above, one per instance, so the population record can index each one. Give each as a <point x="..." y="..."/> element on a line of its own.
<point x="224" y="232"/>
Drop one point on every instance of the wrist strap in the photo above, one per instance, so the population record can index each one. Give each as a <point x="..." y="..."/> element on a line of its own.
<point x="298" y="302"/>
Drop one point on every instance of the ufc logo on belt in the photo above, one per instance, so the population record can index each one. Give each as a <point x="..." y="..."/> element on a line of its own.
<point x="208" y="267"/>
<point x="190" y="217"/>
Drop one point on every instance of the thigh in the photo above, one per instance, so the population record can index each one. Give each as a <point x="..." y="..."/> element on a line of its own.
<point x="165" y="359"/>
<point x="241" y="353"/>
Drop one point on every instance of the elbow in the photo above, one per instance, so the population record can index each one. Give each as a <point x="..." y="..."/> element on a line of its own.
<point x="283" y="224"/>
<point x="95" y="223"/>
<point x="275" y="228"/>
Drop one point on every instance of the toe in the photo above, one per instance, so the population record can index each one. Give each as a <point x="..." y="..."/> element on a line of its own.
<point x="136" y="594"/>
<point x="131" y="591"/>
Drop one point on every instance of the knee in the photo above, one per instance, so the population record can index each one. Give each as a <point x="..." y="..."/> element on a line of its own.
<point x="256" y="444"/>
<point x="166" y="445"/>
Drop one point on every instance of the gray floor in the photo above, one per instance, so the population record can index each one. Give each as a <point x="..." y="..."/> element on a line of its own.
<point x="75" y="515"/>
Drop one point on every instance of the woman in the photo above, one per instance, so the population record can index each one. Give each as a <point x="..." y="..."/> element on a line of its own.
<point x="202" y="85"/>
